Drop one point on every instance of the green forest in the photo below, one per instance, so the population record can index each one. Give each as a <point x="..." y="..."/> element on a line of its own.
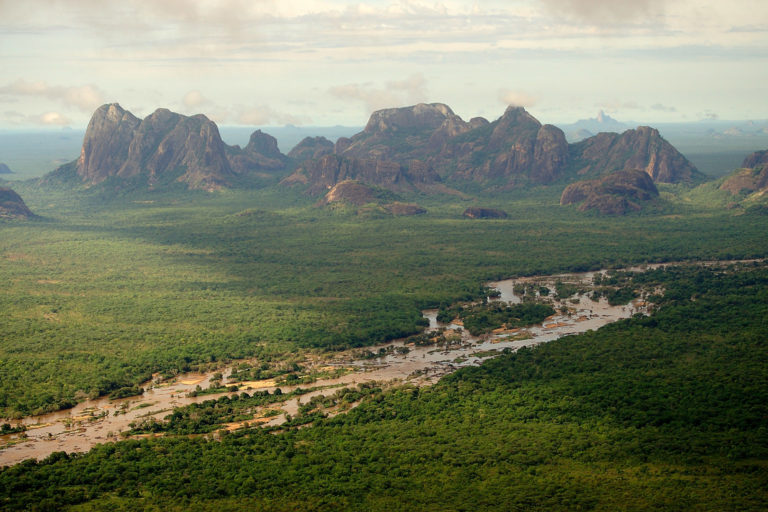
<point x="666" y="412"/>
<point x="101" y="292"/>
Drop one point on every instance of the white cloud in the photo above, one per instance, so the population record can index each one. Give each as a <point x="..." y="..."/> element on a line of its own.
<point x="517" y="98"/>
<point x="662" y="108"/>
<point x="85" y="97"/>
<point x="602" y="12"/>
<point x="195" y="99"/>
<point x="263" y="115"/>
<point x="400" y="93"/>
<point x="53" y="118"/>
<point x="46" y="119"/>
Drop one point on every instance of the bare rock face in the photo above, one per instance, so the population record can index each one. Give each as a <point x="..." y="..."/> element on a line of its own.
<point x="614" y="194"/>
<point x="260" y="154"/>
<point x="349" y="191"/>
<point x="643" y="148"/>
<point x="403" y="134"/>
<point x="311" y="148"/>
<point x="756" y="160"/>
<point x="166" y="147"/>
<point x="357" y="194"/>
<point x="106" y="143"/>
<point x="12" y="206"/>
<point x="515" y="149"/>
<point x="747" y="181"/>
<point x="752" y="178"/>
<point x="324" y="173"/>
<point x="474" y="212"/>
<point x="166" y="142"/>
<point x="419" y="117"/>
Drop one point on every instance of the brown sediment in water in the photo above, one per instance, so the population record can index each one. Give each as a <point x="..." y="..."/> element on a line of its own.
<point x="102" y="420"/>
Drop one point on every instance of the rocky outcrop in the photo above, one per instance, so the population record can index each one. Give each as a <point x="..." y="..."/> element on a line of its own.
<point x="354" y="193"/>
<point x="474" y="212"/>
<point x="403" y="209"/>
<point x="614" y="194"/>
<point x="260" y="154"/>
<point x="12" y="206"/>
<point x="349" y="191"/>
<point x="106" y="143"/>
<point x="757" y="160"/>
<point x="403" y="134"/>
<point x="311" y="148"/>
<point x="513" y="151"/>
<point x="167" y="147"/>
<point x="4" y="169"/>
<point x="642" y="148"/>
<point x="747" y="181"/>
<point x="405" y="149"/>
<point x="323" y="174"/>
<point x="752" y="178"/>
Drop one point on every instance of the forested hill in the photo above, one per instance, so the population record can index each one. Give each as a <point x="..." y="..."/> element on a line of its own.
<point x="666" y="412"/>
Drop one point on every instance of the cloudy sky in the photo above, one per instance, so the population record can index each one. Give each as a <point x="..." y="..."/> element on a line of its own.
<point x="328" y="62"/>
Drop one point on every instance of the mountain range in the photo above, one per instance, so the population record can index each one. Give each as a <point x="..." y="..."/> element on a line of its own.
<point x="425" y="148"/>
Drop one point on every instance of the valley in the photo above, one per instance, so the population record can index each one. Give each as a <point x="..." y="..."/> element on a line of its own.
<point x="165" y="285"/>
<point x="103" y="420"/>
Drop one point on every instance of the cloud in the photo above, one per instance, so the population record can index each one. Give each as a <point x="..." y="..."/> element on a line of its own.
<point x="662" y="108"/>
<point x="394" y="94"/>
<point x="602" y="12"/>
<point x="709" y="115"/>
<point x="85" y="97"/>
<point x="517" y="98"/>
<point x="263" y="115"/>
<point x="45" y="119"/>
<point x="614" y="106"/>
<point x="194" y="99"/>
<point x="53" y="118"/>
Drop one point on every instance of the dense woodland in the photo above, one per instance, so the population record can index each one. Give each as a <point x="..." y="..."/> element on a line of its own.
<point x="101" y="292"/>
<point x="666" y="412"/>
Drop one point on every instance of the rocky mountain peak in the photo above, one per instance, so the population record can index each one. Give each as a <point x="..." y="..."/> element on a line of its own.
<point x="752" y="178"/>
<point x="641" y="148"/>
<point x="106" y="142"/>
<point x="165" y="147"/>
<point x="310" y="148"/>
<point x="758" y="159"/>
<point x="264" y="144"/>
<point x="614" y="194"/>
<point x="422" y="116"/>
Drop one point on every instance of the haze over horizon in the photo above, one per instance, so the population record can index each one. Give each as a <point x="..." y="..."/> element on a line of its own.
<point x="333" y="62"/>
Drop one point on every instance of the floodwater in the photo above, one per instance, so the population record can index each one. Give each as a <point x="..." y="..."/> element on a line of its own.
<point x="101" y="420"/>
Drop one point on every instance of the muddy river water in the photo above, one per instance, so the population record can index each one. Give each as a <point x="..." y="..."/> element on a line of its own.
<point x="101" y="420"/>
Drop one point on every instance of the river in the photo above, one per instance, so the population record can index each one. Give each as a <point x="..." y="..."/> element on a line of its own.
<point x="101" y="420"/>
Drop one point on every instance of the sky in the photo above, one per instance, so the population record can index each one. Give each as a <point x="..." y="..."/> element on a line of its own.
<point x="333" y="62"/>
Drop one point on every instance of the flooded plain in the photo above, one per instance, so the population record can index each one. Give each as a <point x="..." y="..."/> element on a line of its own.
<point x="102" y="420"/>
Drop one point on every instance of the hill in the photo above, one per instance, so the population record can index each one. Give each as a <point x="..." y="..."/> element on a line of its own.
<point x="428" y="143"/>
<point x="752" y="178"/>
<point x="12" y="206"/>
<point x="163" y="148"/>
<point x="616" y="193"/>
